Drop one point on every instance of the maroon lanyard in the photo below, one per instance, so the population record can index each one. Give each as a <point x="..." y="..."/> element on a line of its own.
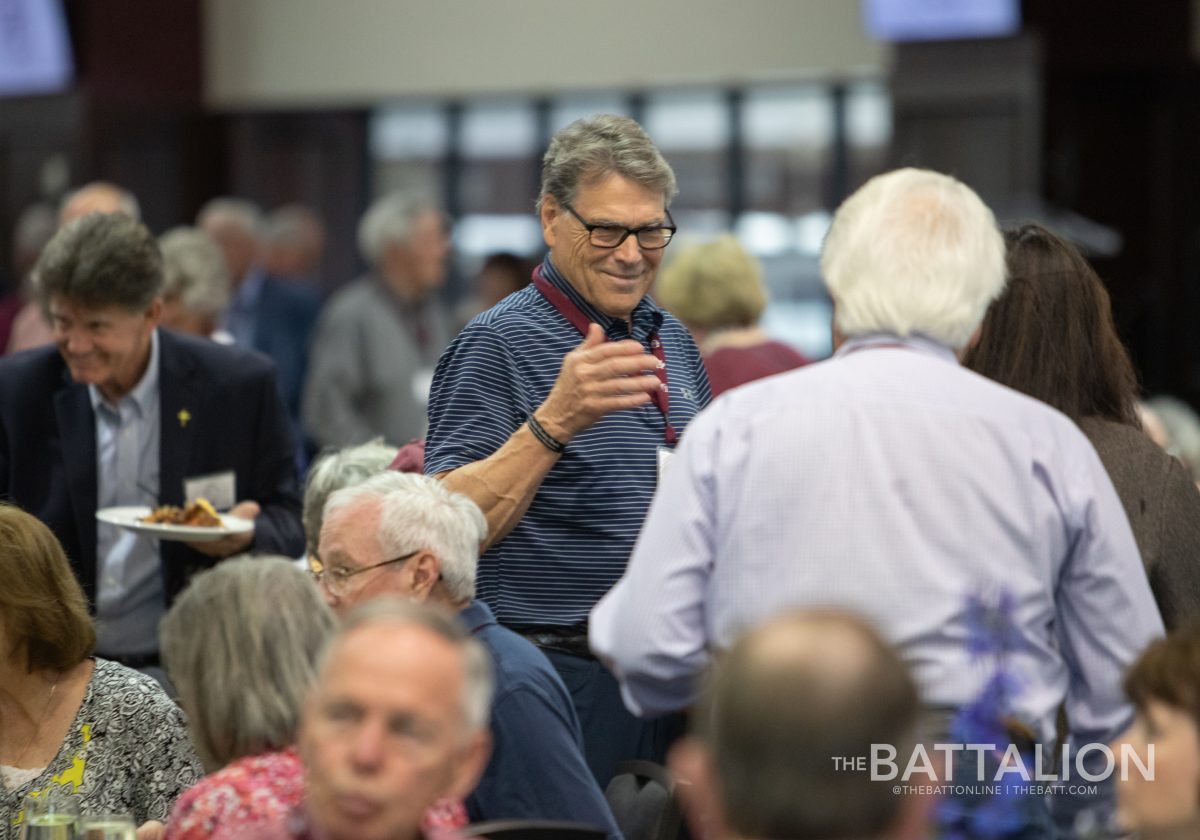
<point x="567" y="308"/>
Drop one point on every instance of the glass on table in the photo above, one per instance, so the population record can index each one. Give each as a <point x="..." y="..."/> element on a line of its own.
<point x="107" y="827"/>
<point x="50" y="816"/>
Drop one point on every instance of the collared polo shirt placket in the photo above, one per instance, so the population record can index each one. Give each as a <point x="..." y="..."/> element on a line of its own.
<point x="573" y="542"/>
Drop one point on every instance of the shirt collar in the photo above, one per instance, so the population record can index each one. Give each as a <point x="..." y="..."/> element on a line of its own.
<point x="143" y="392"/>
<point x="476" y="615"/>
<point x="917" y="342"/>
<point x="647" y="316"/>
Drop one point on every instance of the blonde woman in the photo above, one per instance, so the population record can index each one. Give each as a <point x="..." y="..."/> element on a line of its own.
<point x="717" y="290"/>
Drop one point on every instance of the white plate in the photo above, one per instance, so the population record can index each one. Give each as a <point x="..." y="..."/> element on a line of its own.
<point x="130" y="518"/>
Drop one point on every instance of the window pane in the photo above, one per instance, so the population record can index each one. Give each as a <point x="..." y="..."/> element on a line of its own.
<point x="788" y="137"/>
<point x="408" y="131"/>
<point x="691" y="129"/>
<point x="499" y="129"/>
<point x="687" y="121"/>
<point x="499" y="148"/>
<point x="868" y="130"/>
<point x="478" y="235"/>
<point x="408" y="145"/>
<point x="566" y="109"/>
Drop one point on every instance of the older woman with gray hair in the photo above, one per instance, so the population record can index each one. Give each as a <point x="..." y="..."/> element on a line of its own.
<point x="195" y="283"/>
<point x="241" y="645"/>
<point x="334" y="470"/>
<point x="717" y="290"/>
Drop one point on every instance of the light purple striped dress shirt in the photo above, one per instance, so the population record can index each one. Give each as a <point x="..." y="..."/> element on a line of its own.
<point x="891" y="481"/>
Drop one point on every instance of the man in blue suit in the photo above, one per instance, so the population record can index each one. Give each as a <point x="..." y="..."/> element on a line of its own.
<point x="120" y="412"/>
<point x="273" y="315"/>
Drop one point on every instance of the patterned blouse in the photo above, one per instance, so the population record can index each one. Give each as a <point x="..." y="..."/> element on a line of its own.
<point x="127" y="751"/>
<point x="259" y="797"/>
<point x="243" y="796"/>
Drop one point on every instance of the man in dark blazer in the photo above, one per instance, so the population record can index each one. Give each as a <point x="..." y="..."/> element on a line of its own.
<point x="121" y="412"/>
<point x="272" y="314"/>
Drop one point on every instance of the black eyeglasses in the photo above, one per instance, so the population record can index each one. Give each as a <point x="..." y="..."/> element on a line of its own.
<point x="337" y="580"/>
<point x="651" y="237"/>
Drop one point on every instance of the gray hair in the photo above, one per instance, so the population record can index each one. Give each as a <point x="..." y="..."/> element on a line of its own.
<point x="478" y="680"/>
<point x="390" y="220"/>
<point x="240" y="212"/>
<point x="101" y="260"/>
<point x="334" y="471"/>
<point x="241" y="645"/>
<point x="35" y="226"/>
<point x="291" y="224"/>
<point x="913" y="252"/>
<point x="417" y="511"/>
<point x="194" y="271"/>
<point x="782" y="701"/>
<point x="590" y="149"/>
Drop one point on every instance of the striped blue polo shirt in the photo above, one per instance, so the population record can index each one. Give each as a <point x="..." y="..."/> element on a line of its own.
<point x="573" y="542"/>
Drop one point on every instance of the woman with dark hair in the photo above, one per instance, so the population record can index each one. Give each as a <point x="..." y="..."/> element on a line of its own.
<point x="93" y="729"/>
<point x="1164" y="687"/>
<point x="1051" y="336"/>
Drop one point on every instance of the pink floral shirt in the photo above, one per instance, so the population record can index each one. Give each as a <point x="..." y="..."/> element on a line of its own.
<point x="255" y="791"/>
<point x="253" y="796"/>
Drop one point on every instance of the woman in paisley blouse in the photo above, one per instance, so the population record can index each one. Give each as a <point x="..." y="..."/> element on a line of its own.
<point x="88" y="727"/>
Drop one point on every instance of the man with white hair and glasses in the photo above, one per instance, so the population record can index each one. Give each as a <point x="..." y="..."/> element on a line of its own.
<point x="891" y="481"/>
<point x="406" y="535"/>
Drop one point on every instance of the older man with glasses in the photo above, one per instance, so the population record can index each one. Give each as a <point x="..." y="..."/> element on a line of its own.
<point x="557" y="409"/>
<point x="406" y="535"/>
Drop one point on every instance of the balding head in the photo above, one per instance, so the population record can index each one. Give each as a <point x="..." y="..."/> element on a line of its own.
<point x="295" y="241"/>
<point x="98" y="197"/>
<point x="236" y="225"/>
<point x="396" y="721"/>
<point x="788" y="698"/>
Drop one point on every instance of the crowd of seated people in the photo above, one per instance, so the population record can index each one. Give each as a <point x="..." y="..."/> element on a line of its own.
<point x="533" y="551"/>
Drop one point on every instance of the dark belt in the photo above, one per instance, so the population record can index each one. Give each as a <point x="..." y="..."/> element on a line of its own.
<point x="136" y="661"/>
<point x="568" y="640"/>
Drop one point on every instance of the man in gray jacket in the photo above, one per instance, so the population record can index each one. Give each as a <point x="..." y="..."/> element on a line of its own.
<point x="380" y="337"/>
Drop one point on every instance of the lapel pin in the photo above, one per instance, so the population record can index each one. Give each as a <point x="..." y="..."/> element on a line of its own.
<point x="184" y="416"/>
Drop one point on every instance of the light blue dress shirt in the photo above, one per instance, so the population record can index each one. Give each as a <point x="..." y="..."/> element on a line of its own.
<point x="129" y="599"/>
<point x="891" y="481"/>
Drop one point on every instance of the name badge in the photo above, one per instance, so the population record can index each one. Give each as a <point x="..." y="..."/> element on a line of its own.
<point x="219" y="488"/>
<point x="664" y="459"/>
<point x="422" y="381"/>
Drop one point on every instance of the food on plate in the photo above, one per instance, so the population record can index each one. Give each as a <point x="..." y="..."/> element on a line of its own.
<point x="199" y="514"/>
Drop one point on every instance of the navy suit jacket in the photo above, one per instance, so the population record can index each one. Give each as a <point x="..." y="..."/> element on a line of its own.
<point x="284" y="317"/>
<point x="234" y="421"/>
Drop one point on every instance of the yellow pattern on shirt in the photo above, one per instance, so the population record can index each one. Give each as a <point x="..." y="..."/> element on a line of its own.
<point x="69" y="780"/>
